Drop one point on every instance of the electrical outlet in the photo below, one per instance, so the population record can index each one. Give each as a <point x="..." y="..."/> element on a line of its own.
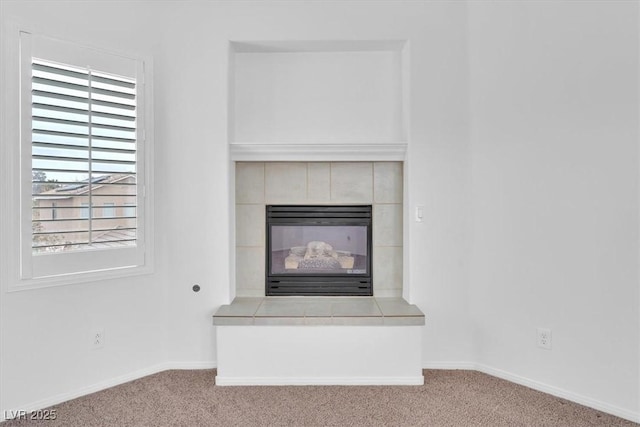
<point x="544" y="338"/>
<point x="97" y="338"/>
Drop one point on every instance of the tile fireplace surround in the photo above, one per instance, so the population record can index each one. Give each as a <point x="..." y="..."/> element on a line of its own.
<point x="319" y="340"/>
<point x="262" y="183"/>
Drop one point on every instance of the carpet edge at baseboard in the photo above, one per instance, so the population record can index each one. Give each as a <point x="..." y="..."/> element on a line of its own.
<point x="539" y="386"/>
<point x="102" y="385"/>
<point x="508" y="376"/>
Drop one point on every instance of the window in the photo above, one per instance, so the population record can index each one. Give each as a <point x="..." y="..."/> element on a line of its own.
<point x="83" y="147"/>
<point x="84" y="210"/>
<point x="82" y="136"/>
<point x="109" y="210"/>
<point x="129" y="210"/>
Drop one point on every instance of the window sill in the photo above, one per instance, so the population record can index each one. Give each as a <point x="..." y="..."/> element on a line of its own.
<point x="78" y="278"/>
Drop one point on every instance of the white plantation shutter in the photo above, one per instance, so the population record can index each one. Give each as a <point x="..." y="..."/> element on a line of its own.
<point x="83" y="133"/>
<point x="83" y="154"/>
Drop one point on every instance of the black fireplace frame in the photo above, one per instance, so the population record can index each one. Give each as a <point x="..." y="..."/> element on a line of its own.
<point x="336" y="284"/>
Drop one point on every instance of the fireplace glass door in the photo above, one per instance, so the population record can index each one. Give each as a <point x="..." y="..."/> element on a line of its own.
<point x="318" y="250"/>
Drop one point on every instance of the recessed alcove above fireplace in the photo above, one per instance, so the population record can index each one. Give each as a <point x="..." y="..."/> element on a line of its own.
<point x="318" y="92"/>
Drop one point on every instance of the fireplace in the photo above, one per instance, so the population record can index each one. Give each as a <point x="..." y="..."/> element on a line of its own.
<point x="321" y="250"/>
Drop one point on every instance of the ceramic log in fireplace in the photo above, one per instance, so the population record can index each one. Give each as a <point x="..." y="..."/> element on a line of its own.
<point x="318" y="250"/>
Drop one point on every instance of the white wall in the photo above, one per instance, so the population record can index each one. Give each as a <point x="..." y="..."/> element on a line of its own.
<point x="554" y="108"/>
<point x="355" y="97"/>
<point x="45" y="332"/>
<point x="158" y="319"/>
<point x="191" y="113"/>
<point x="439" y="179"/>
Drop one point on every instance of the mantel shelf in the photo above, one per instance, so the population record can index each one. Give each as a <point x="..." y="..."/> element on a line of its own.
<point x="395" y="151"/>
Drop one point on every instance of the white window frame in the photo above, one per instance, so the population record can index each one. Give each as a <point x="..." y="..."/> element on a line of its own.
<point x="24" y="269"/>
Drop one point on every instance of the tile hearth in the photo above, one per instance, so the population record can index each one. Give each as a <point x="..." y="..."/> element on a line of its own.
<point x="346" y="311"/>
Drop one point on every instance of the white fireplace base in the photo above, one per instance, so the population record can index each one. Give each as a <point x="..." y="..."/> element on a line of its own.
<point x="319" y="355"/>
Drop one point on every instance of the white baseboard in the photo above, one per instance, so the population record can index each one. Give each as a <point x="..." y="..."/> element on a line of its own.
<point x="295" y="381"/>
<point x="469" y="366"/>
<point x="537" y="385"/>
<point x="564" y="394"/>
<point x="192" y="365"/>
<point x="103" y="385"/>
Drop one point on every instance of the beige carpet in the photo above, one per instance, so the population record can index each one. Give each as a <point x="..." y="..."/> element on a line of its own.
<point x="448" y="398"/>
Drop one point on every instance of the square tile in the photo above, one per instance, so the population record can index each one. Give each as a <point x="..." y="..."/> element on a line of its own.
<point x="319" y="182"/>
<point x="250" y="269"/>
<point x="317" y="309"/>
<point x="387" y="293"/>
<point x="240" y="307"/>
<point x="352" y="182"/>
<point x="249" y="182"/>
<point x="285" y="182"/>
<point x="387" y="225"/>
<point x="387" y="268"/>
<point x="249" y="293"/>
<point x="279" y="321"/>
<point x="232" y="321"/>
<point x="358" y="321"/>
<point x="250" y="225"/>
<point x="355" y="307"/>
<point x="387" y="182"/>
<point x="398" y="307"/>
<point x="404" y="321"/>
<point x="280" y="307"/>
